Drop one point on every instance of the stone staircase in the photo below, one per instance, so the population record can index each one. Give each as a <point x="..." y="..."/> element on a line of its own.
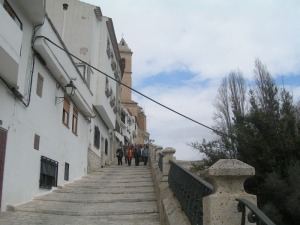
<point x="122" y="195"/>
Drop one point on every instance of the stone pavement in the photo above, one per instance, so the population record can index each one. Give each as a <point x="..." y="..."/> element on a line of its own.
<point x="122" y="195"/>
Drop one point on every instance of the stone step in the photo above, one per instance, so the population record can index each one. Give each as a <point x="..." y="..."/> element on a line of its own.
<point x="112" y="196"/>
<point x="111" y="185"/>
<point x="25" y="218"/>
<point x="118" y="177"/>
<point x="100" y="190"/>
<point x="97" y="198"/>
<point x="88" y="209"/>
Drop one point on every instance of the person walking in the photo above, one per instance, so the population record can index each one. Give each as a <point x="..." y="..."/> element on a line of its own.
<point x="145" y="155"/>
<point x="119" y="154"/>
<point x="142" y="152"/>
<point x="137" y="155"/>
<point x="130" y="154"/>
<point x="125" y="153"/>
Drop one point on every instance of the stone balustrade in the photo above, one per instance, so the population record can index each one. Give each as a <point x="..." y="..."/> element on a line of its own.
<point x="219" y="208"/>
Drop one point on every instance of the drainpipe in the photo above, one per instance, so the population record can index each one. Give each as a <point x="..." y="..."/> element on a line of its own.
<point x="65" y="8"/>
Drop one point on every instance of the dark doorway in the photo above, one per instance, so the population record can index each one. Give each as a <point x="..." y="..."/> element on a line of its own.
<point x="3" y="138"/>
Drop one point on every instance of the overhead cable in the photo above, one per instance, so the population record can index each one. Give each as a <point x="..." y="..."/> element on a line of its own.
<point x="145" y="96"/>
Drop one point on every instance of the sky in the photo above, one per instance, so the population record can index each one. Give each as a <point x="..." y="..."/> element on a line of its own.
<point x="183" y="49"/>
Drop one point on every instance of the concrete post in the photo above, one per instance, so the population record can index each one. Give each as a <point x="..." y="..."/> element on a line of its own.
<point x="168" y="153"/>
<point x="158" y="150"/>
<point x="227" y="177"/>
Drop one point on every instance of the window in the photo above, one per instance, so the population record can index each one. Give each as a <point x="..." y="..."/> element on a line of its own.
<point x="123" y="61"/>
<point x="66" y="177"/>
<point x="97" y="137"/>
<point x="75" y="121"/>
<point x="86" y="72"/>
<point x="12" y="13"/>
<point x="106" y="146"/>
<point x="48" y="175"/>
<point x="36" y="144"/>
<point x="88" y="76"/>
<point x="66" y="112"/>
<point x="39" y="85"/>
<point x="123" y="117"/>
<point x="113" y="66"/>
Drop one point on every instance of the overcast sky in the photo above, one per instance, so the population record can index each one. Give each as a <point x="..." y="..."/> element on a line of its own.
<point x="183" y="49"/>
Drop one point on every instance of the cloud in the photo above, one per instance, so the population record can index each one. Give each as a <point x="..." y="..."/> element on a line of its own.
<point x="182" y="49"/>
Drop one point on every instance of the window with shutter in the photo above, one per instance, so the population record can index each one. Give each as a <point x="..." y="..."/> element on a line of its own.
<point x="39" y="85"/>
<point x="66" y="112"/>
<point x="75" y="121"/>
<point x="12" y="13"/>
<point x="36" y="144"/>
<point x="66" y="177"/>
<point x="97" y="137"/>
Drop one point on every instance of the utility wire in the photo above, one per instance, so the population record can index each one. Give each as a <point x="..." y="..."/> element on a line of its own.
<point x="145" y="96"/>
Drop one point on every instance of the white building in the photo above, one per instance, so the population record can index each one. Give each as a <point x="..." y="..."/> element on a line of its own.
<point x="48" y="138"/>
<point x="91" y="37"/>
<point x="43" y="138"/>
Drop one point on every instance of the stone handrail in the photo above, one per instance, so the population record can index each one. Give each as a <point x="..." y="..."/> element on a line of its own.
<point x="227" y="177"/>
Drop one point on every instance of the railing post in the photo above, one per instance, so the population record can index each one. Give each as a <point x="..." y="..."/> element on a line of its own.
<point x="158" y="150"/>
<point x="168" y="153"/>
<point x="227" y="177"/>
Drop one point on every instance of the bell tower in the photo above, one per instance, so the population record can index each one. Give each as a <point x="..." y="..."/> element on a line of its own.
<point x="132" y="106"/>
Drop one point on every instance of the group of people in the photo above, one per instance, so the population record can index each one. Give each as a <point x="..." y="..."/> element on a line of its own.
<point x="140" y="153"/>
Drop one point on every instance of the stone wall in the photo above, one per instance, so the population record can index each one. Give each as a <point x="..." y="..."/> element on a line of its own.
<point x="94" y="161"/>
<point x="169" y="207"/>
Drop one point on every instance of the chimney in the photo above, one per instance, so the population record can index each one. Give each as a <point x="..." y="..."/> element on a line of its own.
<point x="65" y="8"/>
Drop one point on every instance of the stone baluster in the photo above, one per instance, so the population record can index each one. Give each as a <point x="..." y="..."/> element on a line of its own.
<point x="227" y="177"/>
<point x="168" y="153"/>
<point x="158" y="150"/>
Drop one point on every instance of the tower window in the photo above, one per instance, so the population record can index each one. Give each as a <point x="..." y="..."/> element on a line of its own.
<point x="123" y="61"/>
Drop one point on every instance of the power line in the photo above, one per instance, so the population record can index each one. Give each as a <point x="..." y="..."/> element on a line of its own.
<point x="138" y="92"/>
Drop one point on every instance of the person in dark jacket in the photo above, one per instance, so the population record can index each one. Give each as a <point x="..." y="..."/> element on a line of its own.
<point x="137" y="154"/>
<point x="145" y="154"/>
<point x="119" y="154"/>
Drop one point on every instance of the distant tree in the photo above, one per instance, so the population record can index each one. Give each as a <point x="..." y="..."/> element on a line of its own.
<point x="230" y="108"/>
<point x="265" y="135"/>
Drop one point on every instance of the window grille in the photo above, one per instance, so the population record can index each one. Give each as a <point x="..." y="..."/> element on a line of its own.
<point x="48" y="175"/>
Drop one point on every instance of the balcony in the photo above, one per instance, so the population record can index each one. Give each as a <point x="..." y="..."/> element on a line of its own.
<point x="62" y="67"/>
<point x="10" y="47"/>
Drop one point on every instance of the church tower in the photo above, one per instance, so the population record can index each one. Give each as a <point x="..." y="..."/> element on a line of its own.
<point x="126" y="100"/>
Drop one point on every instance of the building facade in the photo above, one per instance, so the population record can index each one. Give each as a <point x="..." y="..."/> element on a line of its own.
<point x="43" y="130"/>
<point x="48" y="136"/>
